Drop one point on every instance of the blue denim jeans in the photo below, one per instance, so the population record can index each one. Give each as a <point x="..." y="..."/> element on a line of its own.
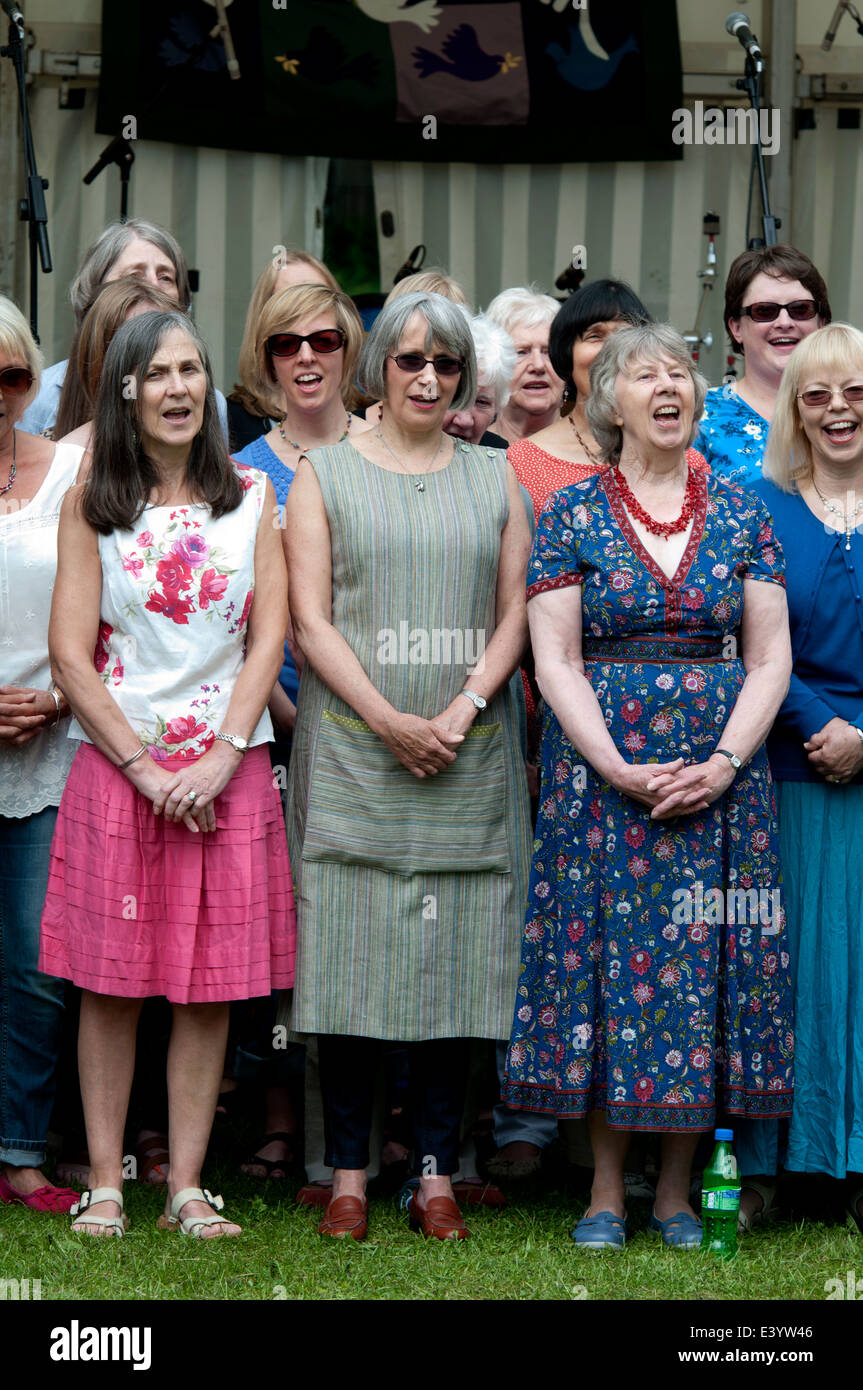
<point x="31" y="1004"/>
<point x="526" y="1126"/>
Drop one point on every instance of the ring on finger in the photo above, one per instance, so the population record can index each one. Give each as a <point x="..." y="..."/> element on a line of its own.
<point x="191" y="796"/>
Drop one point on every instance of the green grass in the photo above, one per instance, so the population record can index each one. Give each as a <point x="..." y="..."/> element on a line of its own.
<point x="523" y="1252"/>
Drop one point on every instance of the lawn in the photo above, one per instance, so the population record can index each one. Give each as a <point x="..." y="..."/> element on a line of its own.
<point x="523" y="1253"/>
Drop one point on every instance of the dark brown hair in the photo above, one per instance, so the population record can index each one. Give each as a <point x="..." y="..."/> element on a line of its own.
<point x="106" y="314"/>
<point x="122" y="476"/>
<point x="783" y="263"/>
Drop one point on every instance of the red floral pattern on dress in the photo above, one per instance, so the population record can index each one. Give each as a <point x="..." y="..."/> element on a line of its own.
<point x="660" y="1016"/>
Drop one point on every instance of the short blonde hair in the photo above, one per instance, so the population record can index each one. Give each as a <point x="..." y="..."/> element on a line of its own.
<point x="431" y="281"/>
<point x="271" y="402"/>
<point x="788" y="456"/>
<point x="288" y="307"/>
<point x="16" y="340"/>
<point x="647" y="343"/>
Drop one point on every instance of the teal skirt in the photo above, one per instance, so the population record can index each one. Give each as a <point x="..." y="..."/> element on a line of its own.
<point x="821" y="837"/>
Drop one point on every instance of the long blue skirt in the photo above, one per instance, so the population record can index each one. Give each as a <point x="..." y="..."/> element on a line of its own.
<point x="821" y="837"/>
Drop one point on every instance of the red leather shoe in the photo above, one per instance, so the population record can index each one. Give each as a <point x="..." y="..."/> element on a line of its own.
<point x="346" y="1216"/>
<point x="440" y="1217"/>
<point x="49" y="1198"/>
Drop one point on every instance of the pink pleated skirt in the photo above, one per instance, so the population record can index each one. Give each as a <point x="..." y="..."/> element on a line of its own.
<point x="140" y="906"/>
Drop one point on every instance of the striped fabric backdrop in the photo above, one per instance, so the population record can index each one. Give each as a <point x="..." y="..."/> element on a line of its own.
<point x="491" y="226"/>
<point x="227" y="209"/>
<point x="509" y="224"/>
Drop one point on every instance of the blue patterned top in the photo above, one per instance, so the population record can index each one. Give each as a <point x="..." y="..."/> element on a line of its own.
<point x="731" y="436"/>
<point x="260" y="455"/>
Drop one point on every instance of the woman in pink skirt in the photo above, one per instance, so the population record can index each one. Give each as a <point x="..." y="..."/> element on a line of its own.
<point x="169" y="868"/>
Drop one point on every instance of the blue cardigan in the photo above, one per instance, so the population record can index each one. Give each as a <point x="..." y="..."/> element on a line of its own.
<point x="825" y="606"/>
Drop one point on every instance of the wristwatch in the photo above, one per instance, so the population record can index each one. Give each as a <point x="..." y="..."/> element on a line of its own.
<point x="476" y="700"/>
<point x="732" y="758"/>
<point x="241" y="744"/>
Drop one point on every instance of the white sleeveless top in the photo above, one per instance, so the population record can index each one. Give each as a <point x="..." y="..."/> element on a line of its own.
<point x="33" y="776"/>
<point x="176" y="594"/>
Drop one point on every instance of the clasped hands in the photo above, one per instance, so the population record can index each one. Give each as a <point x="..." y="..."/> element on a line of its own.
<point x="24" y="713"/>
<point x="673" y="789"/>
<point x="170" y="791"/>
<point x="836" y="751"/>
<point x="426" y="746"/>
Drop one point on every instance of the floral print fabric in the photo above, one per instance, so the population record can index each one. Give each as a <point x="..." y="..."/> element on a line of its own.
<point x="176" y="596"/>
<point x="654" y="957"/>
<point x="732" y="436"/>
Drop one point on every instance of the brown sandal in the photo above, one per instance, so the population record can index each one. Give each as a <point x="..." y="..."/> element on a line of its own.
<point x="152" y="1159"/>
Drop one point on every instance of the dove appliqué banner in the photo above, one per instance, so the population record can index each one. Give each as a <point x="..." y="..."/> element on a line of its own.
<point x="502" y="81"/>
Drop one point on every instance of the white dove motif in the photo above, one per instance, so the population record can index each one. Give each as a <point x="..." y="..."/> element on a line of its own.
<point x="425" y="15"/>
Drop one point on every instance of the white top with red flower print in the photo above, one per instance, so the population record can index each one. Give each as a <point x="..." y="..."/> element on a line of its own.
<point x="33" y="775"/>
<point x="176" y="595"/>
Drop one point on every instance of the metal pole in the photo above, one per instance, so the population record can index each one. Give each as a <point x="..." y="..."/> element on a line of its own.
<point x="780" y="22"/>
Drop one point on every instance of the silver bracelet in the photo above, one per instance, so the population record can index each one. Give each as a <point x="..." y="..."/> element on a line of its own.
<point x="858" y="730"/>
<point x="129" y="761"/>
<point x="56" y="698"/>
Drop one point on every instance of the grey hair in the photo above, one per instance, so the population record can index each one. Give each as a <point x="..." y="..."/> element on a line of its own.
<point x="496" y="356"/>
<point x="646" y="343"/>
<point x="525" y="306"/>
<point x="110" y="246"/>
<point x="123" y="475"/>
<point x="448" y="326"/>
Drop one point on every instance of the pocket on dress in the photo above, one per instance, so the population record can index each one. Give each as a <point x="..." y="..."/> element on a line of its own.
<point x="366" y="808"/>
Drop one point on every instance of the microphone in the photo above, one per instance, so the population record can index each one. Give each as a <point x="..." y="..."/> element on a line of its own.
<point x="14" y="13"/>
<point x="737" y="25"/>
<point x="834" y="25"/>
<point x="411" y="265"/>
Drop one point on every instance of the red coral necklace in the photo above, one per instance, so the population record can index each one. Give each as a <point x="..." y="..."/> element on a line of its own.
<point x="659" y="528"/>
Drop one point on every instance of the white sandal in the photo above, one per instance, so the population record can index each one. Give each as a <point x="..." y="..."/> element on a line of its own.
<point x="193" y="1225"/>
<point x="89" y="1198"/>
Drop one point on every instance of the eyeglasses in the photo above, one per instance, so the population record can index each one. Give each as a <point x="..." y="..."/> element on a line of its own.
<point x="819" y="395"/>
<point x="289" y="344"/>
<point x="799" y="309"/>
<point x="414" y="362"/>
<point x="16" y="380"/>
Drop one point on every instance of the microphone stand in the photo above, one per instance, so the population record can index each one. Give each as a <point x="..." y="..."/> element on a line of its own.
<point x="118" y="152"/>
<point x="31" y="208"/>
<point x="751" y="83"/>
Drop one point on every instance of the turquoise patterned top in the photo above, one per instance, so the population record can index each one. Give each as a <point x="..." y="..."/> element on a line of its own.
<point x="732" y="437"/>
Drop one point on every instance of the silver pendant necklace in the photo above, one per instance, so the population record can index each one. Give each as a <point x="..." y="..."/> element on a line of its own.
<point x="420" y="483"/>
<point x="849" y="518"/>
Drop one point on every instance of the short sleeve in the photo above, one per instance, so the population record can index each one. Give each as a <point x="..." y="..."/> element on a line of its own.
<point x="765" y="558"/>
<point x="554" y="558"/>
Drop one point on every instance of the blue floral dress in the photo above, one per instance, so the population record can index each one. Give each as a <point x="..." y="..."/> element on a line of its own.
<point x="732" y="437"/>
<point x="654" y="958"/>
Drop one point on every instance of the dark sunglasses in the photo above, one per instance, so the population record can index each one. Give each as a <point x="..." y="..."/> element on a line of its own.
<point x="289" y="344"/>
<point x="799" y="309"/>
<point x="819" y="395"/>
<point x="16" y="380"/>
<point x="414" y="362"/>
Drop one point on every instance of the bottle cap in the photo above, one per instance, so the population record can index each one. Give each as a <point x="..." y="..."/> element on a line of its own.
<point x="721" y="1134"/>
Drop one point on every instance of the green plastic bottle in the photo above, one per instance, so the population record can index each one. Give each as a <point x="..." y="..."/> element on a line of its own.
<point x="720" y="1198"/>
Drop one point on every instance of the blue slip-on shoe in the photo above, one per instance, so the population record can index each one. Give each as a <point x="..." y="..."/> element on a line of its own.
<point x="682" y="1230"/>
<point x="605" y="1231"/>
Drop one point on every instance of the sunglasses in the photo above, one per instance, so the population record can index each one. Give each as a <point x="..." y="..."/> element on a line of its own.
<point x="414" y="362"/>
<point x="819" y="395"/>
<point x="289" y="344"/>
<point x="16" y="380"/>
<point x="799" y="309"/>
